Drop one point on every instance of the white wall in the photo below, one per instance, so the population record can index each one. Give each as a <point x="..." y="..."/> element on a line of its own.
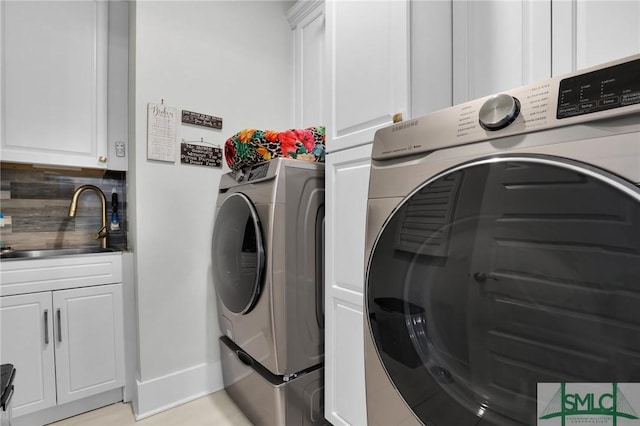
<point x="230" y="59"/>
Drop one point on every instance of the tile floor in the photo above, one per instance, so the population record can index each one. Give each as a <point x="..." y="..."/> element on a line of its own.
<point x="216" y="409"/>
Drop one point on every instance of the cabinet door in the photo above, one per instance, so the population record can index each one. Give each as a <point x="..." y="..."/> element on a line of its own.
<point x="587" y="33"/>
<point x="347" y="179"/>
<point x="307" y="21"/>
<point x="26" y="341"/>
<point x="367" y="78"/>
<point x="499" y="45"/>
<point x="54" y="91"/>
<point x="431" y="56"/>
<point x="89" y="341"/>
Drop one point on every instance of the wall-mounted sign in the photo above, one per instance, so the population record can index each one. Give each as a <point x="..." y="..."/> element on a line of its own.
<point x="161" y="132"/>
<point x="200" y="155"/>
<point x="203" y="120"/>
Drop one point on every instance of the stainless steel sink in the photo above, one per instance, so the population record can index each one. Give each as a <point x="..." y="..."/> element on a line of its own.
<point x="42" y="253"/>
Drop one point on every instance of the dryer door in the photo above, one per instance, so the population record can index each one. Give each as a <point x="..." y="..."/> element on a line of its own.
<point x="503" y="273"/>
<point x="238" y="256"/>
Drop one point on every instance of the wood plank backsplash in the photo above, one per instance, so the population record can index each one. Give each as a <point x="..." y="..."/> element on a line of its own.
<point x="35" y="204"/>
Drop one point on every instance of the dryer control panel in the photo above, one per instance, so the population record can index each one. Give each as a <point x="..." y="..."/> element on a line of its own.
<point x="600" y="90"/>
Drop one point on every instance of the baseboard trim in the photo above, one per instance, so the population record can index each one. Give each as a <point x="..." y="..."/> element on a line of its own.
<point x="165" y="392"/>
<point x="70" y="409"/>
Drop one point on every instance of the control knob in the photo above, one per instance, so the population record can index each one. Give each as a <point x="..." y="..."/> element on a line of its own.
<point x="498" y="112"/>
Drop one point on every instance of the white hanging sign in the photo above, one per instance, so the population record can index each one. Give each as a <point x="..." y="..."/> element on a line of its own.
<point x="161" y="132"/>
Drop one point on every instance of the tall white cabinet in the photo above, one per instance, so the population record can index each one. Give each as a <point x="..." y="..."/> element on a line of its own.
<point x="347" y="181"/>
<point x="412" y="57"/>
<point x="366" y="84"/>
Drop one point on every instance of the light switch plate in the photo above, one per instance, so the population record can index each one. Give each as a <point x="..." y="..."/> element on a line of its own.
<point x="119" y="149"/>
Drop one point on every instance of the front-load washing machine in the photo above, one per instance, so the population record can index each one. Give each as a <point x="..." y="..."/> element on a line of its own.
<point x="503" y="247"/>
<point x="267" y="263"/>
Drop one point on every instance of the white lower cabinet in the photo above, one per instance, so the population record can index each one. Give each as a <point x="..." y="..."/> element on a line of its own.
<point x="65" y="344"/>
<point x="27" y="343"/>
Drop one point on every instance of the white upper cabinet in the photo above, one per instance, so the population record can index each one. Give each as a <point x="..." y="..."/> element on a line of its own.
<point x="54" y="82"/>
<point x="307" y="23"/>
<point x="431" y="56"/>
<point x="367" y="77"/>
<point x="499" y="45"/>
<point x="587" y="32"/>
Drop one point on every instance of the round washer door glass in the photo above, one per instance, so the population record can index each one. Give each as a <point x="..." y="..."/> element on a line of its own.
<point x="501" y="274"/>
<point x="238" y="254"/>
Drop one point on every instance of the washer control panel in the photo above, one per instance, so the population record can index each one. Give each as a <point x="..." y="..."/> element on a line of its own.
<point x="606" y="91"/>
<point x="600" y="90"/>
<point x="258" y="171"/>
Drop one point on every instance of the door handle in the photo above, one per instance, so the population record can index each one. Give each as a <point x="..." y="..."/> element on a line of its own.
<point x="483" y="276"/>
<point x="59" y="325"/>
<point x="46" y="326"/>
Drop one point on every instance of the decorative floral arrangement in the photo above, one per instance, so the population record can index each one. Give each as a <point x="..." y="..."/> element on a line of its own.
<point x="251" y="146"/>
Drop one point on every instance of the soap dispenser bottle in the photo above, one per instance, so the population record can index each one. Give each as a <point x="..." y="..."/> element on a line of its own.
<point x="115" y="219"/>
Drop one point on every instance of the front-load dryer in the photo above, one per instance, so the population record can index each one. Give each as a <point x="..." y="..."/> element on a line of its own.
<point x="503" y="247"/>
<point x="267" y="263"/>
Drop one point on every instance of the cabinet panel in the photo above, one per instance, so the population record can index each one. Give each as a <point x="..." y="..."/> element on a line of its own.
<point x="118" y="85"/>
<point x="431" y="56"/>
<point x="587" y="33"/>
<point x="367" y="70"/>
<point x="307" y="21"/>
<point x="347" y="174"/>
<point x="348" y="400"/>
<point x="313" y="48"/>
<point x="58" y="273"/>
<point x="27" y="343"/>
<point x="54" y="64"/>
<point x="499" y="45"/>
<point x="347" y="188"/>
<point x="89" y="336"/>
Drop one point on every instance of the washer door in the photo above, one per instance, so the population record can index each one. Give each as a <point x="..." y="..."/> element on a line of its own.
<point x="503" y="273"/>
<point x="238" y="256"/>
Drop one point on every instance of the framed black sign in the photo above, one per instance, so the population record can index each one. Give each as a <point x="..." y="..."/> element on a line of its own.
<point x="200" y="155"/>
<point x="203" y="120"/>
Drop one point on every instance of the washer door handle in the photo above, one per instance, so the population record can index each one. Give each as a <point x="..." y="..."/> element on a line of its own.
<point x="483" y="277"/>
